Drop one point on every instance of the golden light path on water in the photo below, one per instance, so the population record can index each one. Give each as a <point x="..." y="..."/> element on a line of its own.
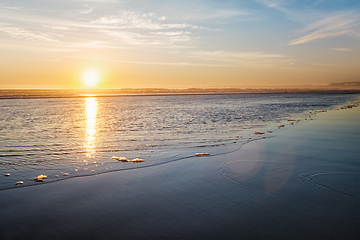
<point x="91" y="111"/>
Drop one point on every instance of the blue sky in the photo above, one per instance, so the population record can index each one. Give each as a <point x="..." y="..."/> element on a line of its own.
<point x="166" y="43"/>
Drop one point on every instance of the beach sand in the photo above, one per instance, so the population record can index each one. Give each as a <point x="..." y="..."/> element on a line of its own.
<point x="302" y="184"/>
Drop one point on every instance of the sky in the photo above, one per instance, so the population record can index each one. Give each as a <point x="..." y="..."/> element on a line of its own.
<point x="178" y="44"/>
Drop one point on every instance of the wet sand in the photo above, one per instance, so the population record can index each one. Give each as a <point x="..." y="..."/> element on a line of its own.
<point x="302" y="184"/>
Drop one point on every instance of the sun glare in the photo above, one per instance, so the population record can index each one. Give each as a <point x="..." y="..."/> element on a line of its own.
<point x="91" y="77"/>
<point x="91" y="112"/>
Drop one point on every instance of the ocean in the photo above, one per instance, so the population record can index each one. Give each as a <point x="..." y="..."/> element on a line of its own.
<point x="80" y="135"/>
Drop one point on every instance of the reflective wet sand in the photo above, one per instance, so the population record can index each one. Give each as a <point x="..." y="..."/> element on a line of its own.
<point x="301" y="184"/>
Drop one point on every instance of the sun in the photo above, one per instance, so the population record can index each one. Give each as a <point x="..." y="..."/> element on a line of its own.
<point x="91" y="77"/>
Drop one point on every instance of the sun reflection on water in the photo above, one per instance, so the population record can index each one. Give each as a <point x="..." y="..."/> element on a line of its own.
<point x="91" y="110"/>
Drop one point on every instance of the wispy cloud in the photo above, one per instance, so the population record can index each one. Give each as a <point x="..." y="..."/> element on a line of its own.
<point x="342" y="49"/>
<point x="92" y="44"/>
<point x="133" y="20"/>
<point x="273" y="3"/>
<point x="153" y="38"/>
<point x="219" y="13"/>
<point x="153" y="63"/>
<point x="303" y="16"/>
<point x="57" y="27"/>
<point x="21" y="33"/>
<point x="330" y="27"/>
<point x="99" y="1"/>
<point x="3" y="6"/>
<point x="144" y="29"/>
<point x="224" y="11"/>
<point x="87" y="10"/>
<point x="176" y="33"/>
<point x="355" y="35"/>
<point x="123" y="30"/>
<point x="30" y="48"/>
<point x="245" y="58"/>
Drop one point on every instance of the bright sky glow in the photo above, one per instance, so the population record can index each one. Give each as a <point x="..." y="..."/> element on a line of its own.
<point x="177" y="44"/>
<point x="91" y="77"/>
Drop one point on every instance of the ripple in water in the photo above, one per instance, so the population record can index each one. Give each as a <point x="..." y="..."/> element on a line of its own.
<point x="80" y="135"/>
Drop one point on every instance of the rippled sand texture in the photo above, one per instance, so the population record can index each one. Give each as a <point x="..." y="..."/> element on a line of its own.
<point x="301" y="184"/>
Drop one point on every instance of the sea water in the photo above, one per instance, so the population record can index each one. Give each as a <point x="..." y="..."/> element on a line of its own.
<point x="78" y="136"/>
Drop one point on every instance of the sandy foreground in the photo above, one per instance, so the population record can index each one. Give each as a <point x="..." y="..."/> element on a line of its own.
<point x="302" y="184"/>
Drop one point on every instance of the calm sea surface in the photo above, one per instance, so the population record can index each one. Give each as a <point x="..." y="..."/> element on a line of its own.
<point x="80" y="135"/>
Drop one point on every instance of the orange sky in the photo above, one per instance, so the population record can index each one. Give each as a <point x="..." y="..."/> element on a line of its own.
<point x="45" y="44"/>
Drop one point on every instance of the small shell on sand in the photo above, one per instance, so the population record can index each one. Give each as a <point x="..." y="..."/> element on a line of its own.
<point x="292" y="123"/>
<point x="123" y="159"/>
<point x="93" y="171"/>
<point x="7" y="174"/>
<point x="258" y="132"/>
<point x="56" y="176"/>
<point x="136" y="160"/>
<point x="19" y="182"/>
<point x="237" y="136"/>
<point x="40" y="178"/>
<point x="280" y="126"/>
<point x="263" y="137"/>
<point x="202" y="154"/>
<point x="269" y="131"/>
<point x="234" y="141"/>
<point x="66" y="174"/>
<point x="61" y="172"/>
<point x="120" y="159"/>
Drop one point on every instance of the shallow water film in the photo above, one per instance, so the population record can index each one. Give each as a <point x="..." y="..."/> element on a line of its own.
<point x="79" y="136"/>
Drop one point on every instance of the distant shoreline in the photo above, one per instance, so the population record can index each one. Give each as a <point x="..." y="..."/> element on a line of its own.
<point x="83" y="93"/>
